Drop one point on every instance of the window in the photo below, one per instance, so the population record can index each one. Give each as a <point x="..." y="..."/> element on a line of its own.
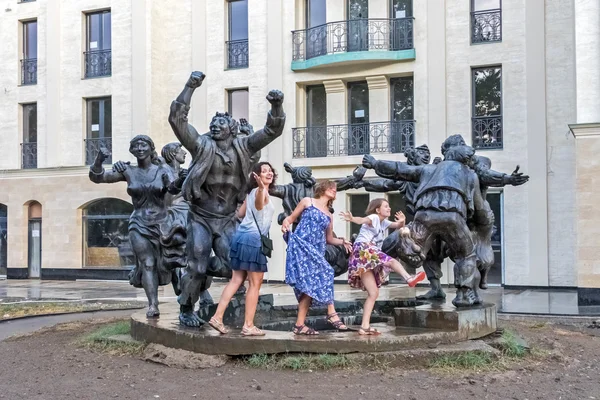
<point x="358" y="206"/>
<point x="486" y="21"/>
<point x="401" y="29"/>
<point x="105" y="234"/>
<point x="316" y="121"/>
<point x="402" y="121"/>
<point x="3" y="239"/>
<point x="316" y="28"/>
<point x="99" y="127"/>
<point x="496" y="273"/>
<point x="29" y="145"/>
<point x="98" y="55"/>
<point x="487" y="108"/>
<point x="358" y="25"/>
<point x="238" y="103"/>
<point x="237" y="46"/>
<point x="29" y="61"/>
<point x="401" y="9"/>
<point x="358" y="112"/>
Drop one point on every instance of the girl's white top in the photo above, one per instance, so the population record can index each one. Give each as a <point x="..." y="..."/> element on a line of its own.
<point x="375" y="232"/>
<point x="263" y="217"/>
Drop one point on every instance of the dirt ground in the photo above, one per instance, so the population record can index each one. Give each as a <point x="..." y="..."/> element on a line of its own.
<point x="48" y="365"/>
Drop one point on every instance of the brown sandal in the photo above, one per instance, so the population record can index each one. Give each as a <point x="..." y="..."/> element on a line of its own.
<point x="218" y="325"/>
<point x="368" y="331"/>
<point x="253" y="331"/>
<point x="339" y="325"/>
<point x="298" y="330"/>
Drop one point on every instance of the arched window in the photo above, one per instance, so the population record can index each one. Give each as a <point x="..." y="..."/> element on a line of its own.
<point x="3" y="238"/>
<point x="105" y="234"/>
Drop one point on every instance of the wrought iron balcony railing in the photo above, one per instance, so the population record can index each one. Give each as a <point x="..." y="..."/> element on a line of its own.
<point x="237" y="53"/>
<point x="487" y="132"/>
<point x="25" y="1"/>
<point x="353" y="35"/>
<point x="92" y="148"/>
<point x="29" y="155"/>
<point x="29" y="71"/>
<point x="486" y="26"/>
<point x="353" y="139"/>
<point x="98" y="63"/>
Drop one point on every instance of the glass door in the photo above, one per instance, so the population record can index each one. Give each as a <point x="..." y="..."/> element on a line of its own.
<point x="358" y="127"/>
<point x="316" y="28"/>
<point x="358" y="25"/>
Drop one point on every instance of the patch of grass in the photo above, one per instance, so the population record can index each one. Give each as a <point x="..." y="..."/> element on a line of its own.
<point x="15" y="310"/>
<point x="510" y="346"/>
<point x="299" y="362"/>
<point x="99" y="340"/>
<point x="539" y="325"/>
<point x="470" y="360"/>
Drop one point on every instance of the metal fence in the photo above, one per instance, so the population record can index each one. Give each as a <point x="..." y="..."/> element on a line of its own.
<point x="98" y="63"/>
<point x="487" y="132"/>
<point x="353" y="35"/>
<point x="353" y="139"/>
<point x="92" y="148"/>
<point x="237" y="53"/>
<point x="486" y="26"/>
<point x="29" y="71"/>
<point x="29" y="155"/>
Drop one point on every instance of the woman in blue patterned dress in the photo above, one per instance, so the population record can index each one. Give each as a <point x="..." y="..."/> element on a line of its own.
<point x="306" y="269"/>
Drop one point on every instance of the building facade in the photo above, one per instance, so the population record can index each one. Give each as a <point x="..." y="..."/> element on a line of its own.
<point x="518" y="79"/>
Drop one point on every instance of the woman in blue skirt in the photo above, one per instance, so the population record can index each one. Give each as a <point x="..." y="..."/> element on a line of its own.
<point x="306" y="269"/>
<point x="246" y="257"/>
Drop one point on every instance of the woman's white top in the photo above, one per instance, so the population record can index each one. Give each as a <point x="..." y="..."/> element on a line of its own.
<point x="263" y="217"/>
<point x="375" y="232"/>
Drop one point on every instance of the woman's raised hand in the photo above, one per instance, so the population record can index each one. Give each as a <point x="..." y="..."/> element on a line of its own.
<point x="259" y="181"/>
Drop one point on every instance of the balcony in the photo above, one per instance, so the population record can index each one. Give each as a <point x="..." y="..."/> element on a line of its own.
<point x="25" y="1"/>
<point x="487" y="132"/>
<point x="374" y="39"/>
<point x="486" y="26"/>
<point x="29" y="71"/>
<point x="92" y="148"/>
<point x="29" y="155"/>
<point x="237" y="54"/>
<point x="98" y="63"/>
<point x="355" y="139"/>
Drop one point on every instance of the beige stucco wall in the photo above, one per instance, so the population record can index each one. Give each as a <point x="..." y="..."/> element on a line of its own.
<point x="588" y="192"/>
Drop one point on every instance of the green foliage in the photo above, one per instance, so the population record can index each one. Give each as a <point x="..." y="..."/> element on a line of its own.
<point x="298" y="362"/>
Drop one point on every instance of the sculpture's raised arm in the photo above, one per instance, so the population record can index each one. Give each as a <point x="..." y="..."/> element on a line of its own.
<point x="273" y="127"/>
<point x="489" y="177"/>
<point x="178" y="116"/>
<point x="394" y="170"/>
<point x="99" y="175"/>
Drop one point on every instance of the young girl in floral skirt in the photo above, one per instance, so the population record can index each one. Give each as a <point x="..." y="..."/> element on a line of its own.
<point x="368" y="265"/>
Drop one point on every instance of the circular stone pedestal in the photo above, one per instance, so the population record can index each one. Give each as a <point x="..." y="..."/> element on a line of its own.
<point x="417" y="330"/>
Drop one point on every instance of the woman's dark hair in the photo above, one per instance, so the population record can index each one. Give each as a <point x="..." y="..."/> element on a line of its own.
<point x="257" y="170"/>
<point x="145" y="138"/>
<point x="322" y="187"/>
<point x="374" y="205"/>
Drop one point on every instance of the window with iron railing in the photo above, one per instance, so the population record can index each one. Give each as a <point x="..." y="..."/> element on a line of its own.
<point x="29" y="60"/>
<point x="486" y="121"/>
<point x="237" y="44"/>
<point x="98" y="54"/>
<point x="29" y="145"/>
<point x="99" y="128"/>
<point x="486" y="21"/>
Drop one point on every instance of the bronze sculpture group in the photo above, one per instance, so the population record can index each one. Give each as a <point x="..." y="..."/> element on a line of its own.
<point x="183" y="220"/>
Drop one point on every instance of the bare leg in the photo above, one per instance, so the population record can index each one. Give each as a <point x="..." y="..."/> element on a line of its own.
<point x="237" y="279"/>
<point x="255" y="280"/>
<point x="368" y="281"/>
<point x="303" y="306"/>
<point x="397" y="267"/>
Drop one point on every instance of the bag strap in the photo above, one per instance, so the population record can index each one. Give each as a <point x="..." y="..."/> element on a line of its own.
<point x="256" y="222"/>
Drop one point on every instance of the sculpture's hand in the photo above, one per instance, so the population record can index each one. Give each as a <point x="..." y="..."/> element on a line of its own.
<point x="195" y="80"/>
<point x="346" y="216"/>
<point x="120" y="166"/>
<point x="517" y="178"/>
<point x="183" y="173"/>
<point x="400" y="217"/>
<point x="166" y="180"/>
<point x="368" y="161"/>
<point x="437" y="160"/>
<point x="275" y="97"/>
<point x="102" y="156"/>
<point x="245" y="127"/>
<point x="359" y="172"/>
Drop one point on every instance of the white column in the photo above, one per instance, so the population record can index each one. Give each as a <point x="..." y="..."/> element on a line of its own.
<point x="379" y="98"/>
<point x="587" y="56"/>
<point x="336" y="102"/>
<point x="49" y="154"/>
